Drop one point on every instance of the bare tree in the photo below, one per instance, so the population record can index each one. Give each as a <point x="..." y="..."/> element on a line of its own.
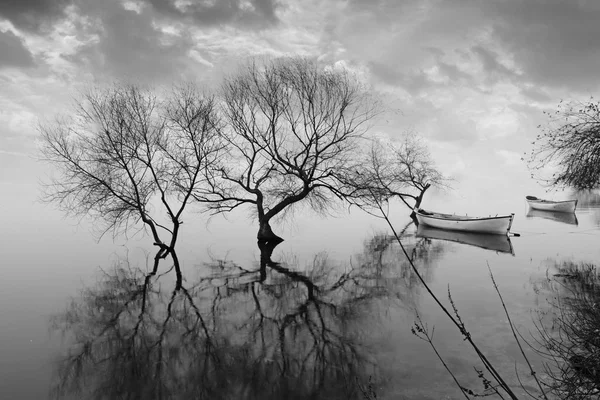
<point x="294" y="131"/>
<point x="124" y="157"/>
<point x="571" y="142"/>
<point x="402" y="169"/>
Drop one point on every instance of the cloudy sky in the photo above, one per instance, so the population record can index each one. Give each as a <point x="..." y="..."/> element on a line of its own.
<point x="472" y="77"/>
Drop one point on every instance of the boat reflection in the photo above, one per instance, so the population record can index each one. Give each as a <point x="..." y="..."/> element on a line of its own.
<point x="497" y="243"/>
<point x="565" y="218"/>
<point x="274" y="330"/>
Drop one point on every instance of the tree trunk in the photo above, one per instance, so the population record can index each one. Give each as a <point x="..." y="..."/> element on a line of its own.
<point x="179" y="276"/>
<point x="266" y="250"/>
<point x="420" y="197"/>
<point x="413" y="216"/>
<point x="265" y="233"/>
<point x="418" y="204"/>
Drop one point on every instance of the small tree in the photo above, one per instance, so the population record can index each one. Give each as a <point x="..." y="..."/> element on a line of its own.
<point x="122" y="149"/>
<point x="401" y="169"/>
<point x="294" y="131"/>
<point x="570" y="141"/>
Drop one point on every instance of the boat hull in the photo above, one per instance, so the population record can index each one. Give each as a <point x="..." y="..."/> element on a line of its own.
<point x="567" y="206"/>
<point x="495" y="225"/>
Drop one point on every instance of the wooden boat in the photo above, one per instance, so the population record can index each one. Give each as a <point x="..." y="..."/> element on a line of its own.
<point x="497" y="243"/>
<point x="565" y="218"/>
<point x="549" y="205"/>
<point x="497" y="225"/>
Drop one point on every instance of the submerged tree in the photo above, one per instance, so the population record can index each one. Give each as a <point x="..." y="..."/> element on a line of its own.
<point x="571" y="141"/>
<point x="404" y="170"/>
<point x="294" y="133"/>
<point x="124" y="157"/>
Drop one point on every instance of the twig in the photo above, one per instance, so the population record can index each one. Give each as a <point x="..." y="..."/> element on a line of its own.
<point x="512" y="328"/>
<point x="488" y="365"/>
<point x="420" y="330"/>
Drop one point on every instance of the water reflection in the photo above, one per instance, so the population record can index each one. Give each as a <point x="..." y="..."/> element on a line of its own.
<point x="587" y="198"/>
<point x="589" y="202"/>
<point x="497" y="243"/>
<point x="277" y="329"/>
<point x="568" y="331"/>
<point x="565" y="218"/>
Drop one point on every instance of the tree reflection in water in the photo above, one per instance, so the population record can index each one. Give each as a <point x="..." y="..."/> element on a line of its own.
<point x="588" y="201"/>
<point x="568" y="333"/>
<point x="273" y="331"/>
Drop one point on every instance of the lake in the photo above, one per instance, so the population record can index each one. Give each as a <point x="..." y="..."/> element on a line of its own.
<point x="325" y="314"/>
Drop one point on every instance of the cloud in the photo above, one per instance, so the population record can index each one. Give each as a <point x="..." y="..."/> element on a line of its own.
<point x="448" y="126"/>
<point x="552" y="41"/>
<point x="164" y="40"/>
<point x="467" y="70"/>
<point x="252" y="13"/>
<point x="535" y="94"/>
<point x="453" y="72"/>
<point x="33" y="15"/>
<point x="459" y="70"/>
<point x="13" y="52"/>
<point x="414" y="82"/>
<point x="549" y="44"/>
<point x="494" y="69"/>
<point x="131" y="45"/>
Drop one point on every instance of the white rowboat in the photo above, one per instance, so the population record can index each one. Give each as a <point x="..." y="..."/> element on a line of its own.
<point x="549" y="205"/>
<point x="497" y="225"/>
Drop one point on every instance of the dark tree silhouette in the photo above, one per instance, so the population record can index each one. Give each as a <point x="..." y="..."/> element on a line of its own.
<point x="570" y="142"/>
<point x="294" y="132"/>
<point x="124" y="157"/>
<point x="403" y="170"/>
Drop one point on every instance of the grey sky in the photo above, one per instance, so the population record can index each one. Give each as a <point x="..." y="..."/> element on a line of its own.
<point x="13" y="52"/>
<point x="473" y="77"/>
<point x="33" y="15"/>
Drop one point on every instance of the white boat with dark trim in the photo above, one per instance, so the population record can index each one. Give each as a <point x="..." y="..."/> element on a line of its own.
<point x="500" y="224"/>
<point x="568" y="206"/>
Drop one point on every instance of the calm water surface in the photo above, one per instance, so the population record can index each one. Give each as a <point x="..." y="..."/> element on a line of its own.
<point x="319" y="316"/>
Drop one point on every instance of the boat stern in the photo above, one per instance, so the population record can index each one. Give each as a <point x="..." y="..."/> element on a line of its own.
<point x="510" y="222"/>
